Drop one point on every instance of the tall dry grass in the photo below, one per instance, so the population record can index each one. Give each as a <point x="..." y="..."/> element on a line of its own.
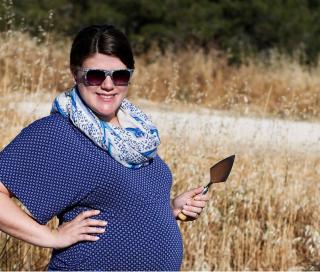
<point x="274" y="86"/>
<point x="266" y="217"/>
<point x="277" y="86"/>
<point x="29" y="65"/>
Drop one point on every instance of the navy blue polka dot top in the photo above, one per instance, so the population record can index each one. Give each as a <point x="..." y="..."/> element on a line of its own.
<point x="54" y="169"/>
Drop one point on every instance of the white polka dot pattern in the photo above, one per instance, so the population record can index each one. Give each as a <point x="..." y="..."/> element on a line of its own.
<point x="54" y="169"/>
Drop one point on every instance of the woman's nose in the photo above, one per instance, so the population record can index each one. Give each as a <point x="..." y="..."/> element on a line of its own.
<point x="107" y="84"/>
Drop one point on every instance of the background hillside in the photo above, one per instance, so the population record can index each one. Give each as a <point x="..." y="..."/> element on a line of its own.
<point x="238" y="28"/>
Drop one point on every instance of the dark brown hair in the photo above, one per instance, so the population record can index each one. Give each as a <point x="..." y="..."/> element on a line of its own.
<point x="104" y="39"/>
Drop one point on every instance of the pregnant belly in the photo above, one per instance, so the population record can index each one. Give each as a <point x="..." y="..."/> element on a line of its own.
<point x="147" y="238"/>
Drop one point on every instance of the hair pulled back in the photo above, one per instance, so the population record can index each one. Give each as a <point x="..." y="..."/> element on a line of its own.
<point x="104" y="39"/>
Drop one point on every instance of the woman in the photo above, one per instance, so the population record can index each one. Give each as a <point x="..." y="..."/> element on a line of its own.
<point x="94" y="161"/>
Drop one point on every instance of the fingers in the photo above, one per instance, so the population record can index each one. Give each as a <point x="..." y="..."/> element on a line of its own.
<point x="194" y="206"/>
<point x="198" y="201"/>
<point x="81" y="228"/>
<point x="197" y="191"/>
<point x="85" y="231"/>
<point x="92" y="230"/>
<point x="190" y="213"/>
<point x="194" y="203"/>
<point x="93" y="222"/>
<point x="201" y="197"/>
<point x="192" y="209"/>
<point x="86" y="214"/>
<point x="86" y="237"/>
<point x="89" y="225"/>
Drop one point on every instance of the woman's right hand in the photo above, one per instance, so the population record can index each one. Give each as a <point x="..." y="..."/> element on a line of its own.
<point x="78" y="229"/>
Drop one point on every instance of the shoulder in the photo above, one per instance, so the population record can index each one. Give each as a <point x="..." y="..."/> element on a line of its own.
<point x="51" y="122"/>
<point x="51" y="125"/>
<point x="49" y="131"/>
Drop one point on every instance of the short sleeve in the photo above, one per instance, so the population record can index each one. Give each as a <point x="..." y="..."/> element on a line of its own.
<point x="42" y="168"/>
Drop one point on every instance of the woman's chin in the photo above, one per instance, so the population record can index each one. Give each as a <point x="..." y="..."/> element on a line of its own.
<point x="106" y="115"/>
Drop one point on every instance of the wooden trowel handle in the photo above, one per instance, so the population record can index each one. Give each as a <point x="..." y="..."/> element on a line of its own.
<point x="182" y="216"/>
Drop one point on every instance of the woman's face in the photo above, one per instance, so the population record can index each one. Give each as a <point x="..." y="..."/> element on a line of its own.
<point x="105" y="99"/>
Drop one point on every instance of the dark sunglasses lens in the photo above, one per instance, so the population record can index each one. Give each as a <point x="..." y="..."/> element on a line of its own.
<point x="95" y="77"/>
<point x="121" y="77"/>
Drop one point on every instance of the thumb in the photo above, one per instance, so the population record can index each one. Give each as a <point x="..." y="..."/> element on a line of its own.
<point x="197" y="191"/>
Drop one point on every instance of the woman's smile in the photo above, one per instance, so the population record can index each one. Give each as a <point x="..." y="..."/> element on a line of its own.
<point x="107" y="97"/>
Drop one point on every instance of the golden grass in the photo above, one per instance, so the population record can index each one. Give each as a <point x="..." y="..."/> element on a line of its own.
<point x="266" y="217"/>
<point x="281" y="87"/>
<point x="28" y="65"/>
<point x="274" y="86"/>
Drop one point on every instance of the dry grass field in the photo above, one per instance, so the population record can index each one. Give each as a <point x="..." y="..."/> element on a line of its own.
<point x="266" y="216"/>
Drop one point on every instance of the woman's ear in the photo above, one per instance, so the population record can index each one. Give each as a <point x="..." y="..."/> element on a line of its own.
<point x="74" y="75"/>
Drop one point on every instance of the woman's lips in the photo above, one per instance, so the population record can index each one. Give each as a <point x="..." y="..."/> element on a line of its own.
<point x="106" y="97"/>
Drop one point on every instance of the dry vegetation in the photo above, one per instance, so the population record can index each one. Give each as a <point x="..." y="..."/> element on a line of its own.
<point x="278" y="86"/>
<point x="275" y="86"/>
<point x="265" y="217"/>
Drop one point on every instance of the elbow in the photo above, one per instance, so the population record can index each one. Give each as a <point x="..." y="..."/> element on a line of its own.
<point x="4" y="190"/>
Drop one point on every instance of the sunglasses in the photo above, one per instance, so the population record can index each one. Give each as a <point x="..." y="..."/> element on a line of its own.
<point x="95" y="77"/>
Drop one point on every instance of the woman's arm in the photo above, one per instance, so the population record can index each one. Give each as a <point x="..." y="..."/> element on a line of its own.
<point x="15" y="222"/>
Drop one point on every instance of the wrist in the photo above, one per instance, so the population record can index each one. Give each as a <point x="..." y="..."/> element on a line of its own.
<point x="54" y="234"/>
<point x="50" y="237"/>
<point x="175" y="211"/>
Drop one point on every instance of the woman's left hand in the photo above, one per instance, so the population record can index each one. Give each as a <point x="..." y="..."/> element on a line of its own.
<point x="191" y="203"/>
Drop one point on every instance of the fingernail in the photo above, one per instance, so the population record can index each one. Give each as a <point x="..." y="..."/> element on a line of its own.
<point x="97" y="238"/>
<point x="97" y="211"/>
<point x="104" y="222"/>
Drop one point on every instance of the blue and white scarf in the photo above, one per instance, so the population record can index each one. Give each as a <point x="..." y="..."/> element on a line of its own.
<point x="133" y="144"/>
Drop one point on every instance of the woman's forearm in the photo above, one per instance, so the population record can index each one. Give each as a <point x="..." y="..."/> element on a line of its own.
<point x="15" y="222"/>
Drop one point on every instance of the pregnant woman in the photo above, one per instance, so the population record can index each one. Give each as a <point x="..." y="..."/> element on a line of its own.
<point x="93" y="162"/>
